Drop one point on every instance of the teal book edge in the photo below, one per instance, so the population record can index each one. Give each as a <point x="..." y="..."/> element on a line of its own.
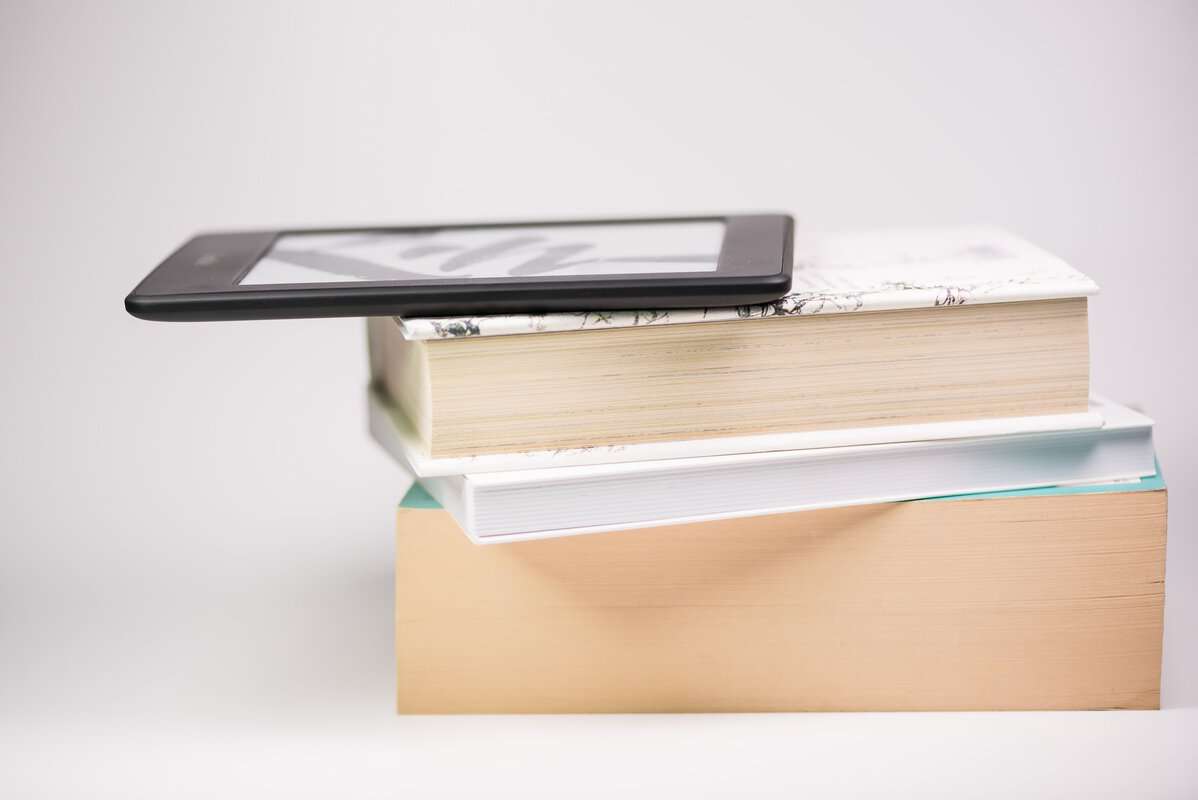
<point x="1146" y="484"/>
<point x="417" y="497"/>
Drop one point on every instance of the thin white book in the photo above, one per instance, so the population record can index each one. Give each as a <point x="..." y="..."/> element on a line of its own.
<point x="514" y="505"/>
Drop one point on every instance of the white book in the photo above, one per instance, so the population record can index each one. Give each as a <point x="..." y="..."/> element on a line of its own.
<point x="524" y="504"/>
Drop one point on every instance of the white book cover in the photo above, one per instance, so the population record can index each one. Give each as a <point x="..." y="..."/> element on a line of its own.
<point x="559" y="501"/>
<point x="837" y="273"/>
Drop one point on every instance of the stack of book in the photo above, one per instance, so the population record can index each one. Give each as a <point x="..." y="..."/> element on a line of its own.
<point x="890" y="489"/>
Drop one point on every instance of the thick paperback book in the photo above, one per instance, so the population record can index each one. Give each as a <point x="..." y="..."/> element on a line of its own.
<point x="881" y="330"/>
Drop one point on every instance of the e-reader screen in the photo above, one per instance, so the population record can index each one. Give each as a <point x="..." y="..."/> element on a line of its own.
<point x="624" y="250"/>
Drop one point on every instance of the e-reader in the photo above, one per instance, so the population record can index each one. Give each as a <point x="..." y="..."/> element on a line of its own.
<point x="483" y="268"/>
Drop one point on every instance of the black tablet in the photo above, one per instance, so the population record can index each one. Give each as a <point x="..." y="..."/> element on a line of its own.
<point x="483" y="268"/>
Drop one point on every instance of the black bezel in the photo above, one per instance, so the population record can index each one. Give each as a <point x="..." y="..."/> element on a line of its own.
<point x="754" y="266"/>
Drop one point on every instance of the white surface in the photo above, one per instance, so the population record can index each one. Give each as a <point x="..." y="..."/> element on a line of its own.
<point x="195" y="590"/>
<point x="497" y="507"/>
<point x="842" y="272"/>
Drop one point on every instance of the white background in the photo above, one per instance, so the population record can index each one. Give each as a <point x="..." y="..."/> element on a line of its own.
<point x="196" y="533"/>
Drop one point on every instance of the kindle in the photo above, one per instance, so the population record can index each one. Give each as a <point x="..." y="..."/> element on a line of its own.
<point x="463" y="269"/>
